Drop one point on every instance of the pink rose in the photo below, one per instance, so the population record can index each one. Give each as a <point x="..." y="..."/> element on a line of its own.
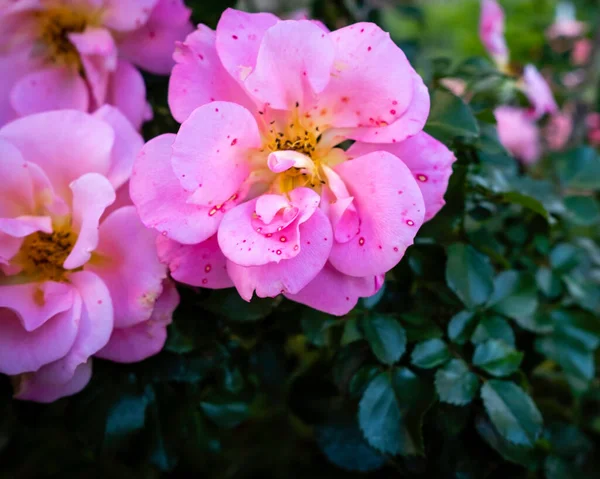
<point x="558" y="130"/>
<point x="518" y="133"/>
<point x="254" y="191"/>
<point x="565" y="23"/>
<point x="80" y="54"/>
<point x="582" y="49"/>
<point x="79" y="277"/>
<point x="491" y="31"/>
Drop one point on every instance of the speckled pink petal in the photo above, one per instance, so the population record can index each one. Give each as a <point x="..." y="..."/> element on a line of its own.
<point x="199" y="77"/>
<point x="202" y="264"/>
<point x="129" y="266"/>
<point x="391" y="210"/>
<point x="294" y="63"/>
<point x="160" y="200"/>
<point x="429" y="160"/>
<point x="212" y="150"/>
<point x="335" y="293"/>
<point x="239" y="36"/>
<point x="291" y="275"/>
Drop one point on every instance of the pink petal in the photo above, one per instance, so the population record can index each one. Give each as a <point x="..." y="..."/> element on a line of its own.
<point x="287" y="276"/>
<point x="335" y="293"/>
<point x="40" y="388"/>
<point x="13" y="66"/>
<point x="160" y="200"/>
<point x="248" y="241"/>
<point x="127" y="91"/>
<point x="391" y="210"/>
<point x="36" y="303"/>
<point x="294" y="62"/>
<point x="202" y="264"/>
<point x="146" y="339"/>
<point x="491" y="31"/>
<point x="124" y="15"/>
<point x="410" y="123"/>
<point x="518" y="133"/>
<point x="539" y="93"/>
<point x="92" y="194"/>
<point x="239" y="37"/>
<point x="65" y="144"/>
<point x="211" y="152"/>
<point x="49" y="89"/>
<point x="129" y="266"/>
<point x="25" y="225"/>
<point x="151" y="47"/>
<point x="429" y="161"/>
<point x="22" y="351"/>
<point x="128" y="143"/>
<point x="16" y="192"/>
<point x="199" y="77"/>
<point x="356" y="94"/>
<point x="98" y="54"/>
<point x="337" y="204"/>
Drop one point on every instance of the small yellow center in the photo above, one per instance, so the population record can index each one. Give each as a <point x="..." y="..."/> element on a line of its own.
<point x="55" y="24"/>
<point x="42" y="255"/>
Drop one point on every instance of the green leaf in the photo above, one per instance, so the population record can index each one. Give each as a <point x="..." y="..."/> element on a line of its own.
<point x="430" y="354"/>
<point x="225" y="411"/>
<point x="497" y="358"/>
<point x="515" y="294"/>
<point x="569" y="353"/>
<point x="580" y="168"/>
<point x="469" y="275"/>
<point x="351" y="332"/>
<point x="386" y="337"/>
<point x="512" y="411"/>
<point x="450" y="117"/>
<point x="461" y="327"/>
<point x="419" y="327"/>
<point x="493" y="327"/>
<point x="564" y="257"/>
<point x="345" y="446"/>
<point x="548" y="282"/>
<point x="315" y="326"/>
<point x="539" y="322"/>
<point x="526" y="201"/>
<point x="582" y="210"/>
<point x="125" y="418"/>
<point x="522" y="455"/>
<point x="455" y="384"/>
<point x="391" y="410"/>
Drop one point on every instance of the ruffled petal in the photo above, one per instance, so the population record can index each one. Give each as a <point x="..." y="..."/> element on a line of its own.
<point x="202" y="264"/>
<point x="124" y="15"/>
<point x="161" y="201"/>
<point x="391" y="210"/>
<point x="126" y="261"/>
<point x="288" y="276"/>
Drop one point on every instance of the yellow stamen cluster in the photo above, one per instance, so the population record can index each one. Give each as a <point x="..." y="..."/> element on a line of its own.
<point x="42" y="255"/>
<point x="55" y="24"/>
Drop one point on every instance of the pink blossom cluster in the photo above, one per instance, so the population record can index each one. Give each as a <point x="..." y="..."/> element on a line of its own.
<point x="517" y="127"/>
<point x="258" y="189"/>
<point x="79" y="273"/>
<point x="82" y="54"/>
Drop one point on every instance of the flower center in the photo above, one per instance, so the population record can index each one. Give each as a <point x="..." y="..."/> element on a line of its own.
<point x="55" y="25"/>
<point x="42" y="255"/>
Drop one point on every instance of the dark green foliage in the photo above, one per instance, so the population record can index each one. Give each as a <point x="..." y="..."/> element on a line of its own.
<point x="478" y="359"/>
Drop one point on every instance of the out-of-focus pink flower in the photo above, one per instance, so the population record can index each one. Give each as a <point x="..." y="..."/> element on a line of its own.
<point x="539" y="93"/>
<point x="81" y="54"/>
<point x="565" y="24"/>
<point x="518" y="133"/>
<point x="456" y="85"/>
<point x="581" y="52"/>
<point x="558" y="130"/>
<point x="592" y="122"/>
<point x="491" y="31"/>
<point x="254" y="190"/>
<point x="573" y="78"/>
<point x="76" y="279"/>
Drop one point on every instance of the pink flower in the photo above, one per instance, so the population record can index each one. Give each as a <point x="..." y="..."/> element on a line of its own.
<point x="582" y="49"/>
<point x="78" y="277"/>
<point x="254" y="191"/>
<point x="518" y="133"/>
<point x="80" y="54"/>
<point x="491" y="31"/>
<point x="538" y="92"/>
<point x="558" y="130"/>
<point x="565" y="24"/>
<point x="592" y="122"/>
